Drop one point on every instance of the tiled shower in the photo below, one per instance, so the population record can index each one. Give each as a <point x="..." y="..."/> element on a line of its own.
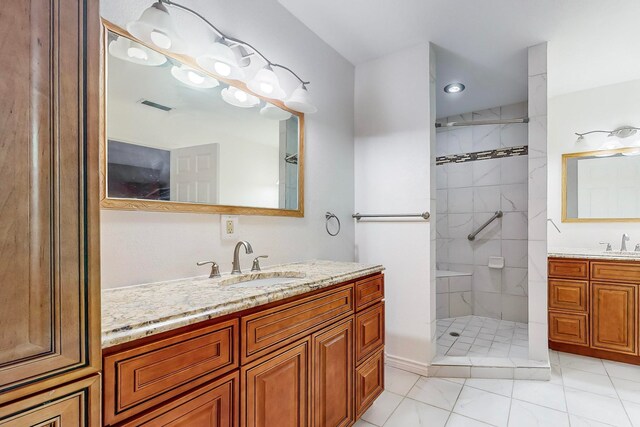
<point x="470" y="189"/>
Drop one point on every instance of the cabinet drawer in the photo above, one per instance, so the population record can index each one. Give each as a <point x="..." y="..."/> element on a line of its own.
<point x="569" y="268"/>
<point x="369" y="382"/>
<point x="271" y="329"/>
<point x="142" y="377"/>
<point x="616" y="271"/>
<point x="568" y="328"/>
<point x="369" y="331"/>
<point x="369" y="291"/>
<point x="213" y="405"/>
<point x="568" y="295"/>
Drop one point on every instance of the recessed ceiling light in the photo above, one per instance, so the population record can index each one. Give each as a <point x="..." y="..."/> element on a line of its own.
<point x="454" y="88"/>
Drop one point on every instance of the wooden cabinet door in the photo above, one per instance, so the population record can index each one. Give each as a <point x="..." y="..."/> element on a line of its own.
<point x="333" y="371"/>
<point x="213" y="405"/>
<point x="614" y="317"/>
<point x="73" y="405"/>
<point x="276" y="388"/>
<point x="48" y="119"/>
<point x="369" y="331"/>
<point x="369" y="381"/>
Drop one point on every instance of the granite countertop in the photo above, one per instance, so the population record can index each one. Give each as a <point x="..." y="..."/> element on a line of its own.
<point x="593" y="254"/>
<point x="137" y="311"/>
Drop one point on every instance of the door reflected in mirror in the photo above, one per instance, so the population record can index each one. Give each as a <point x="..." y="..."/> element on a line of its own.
<point x="602" y="186"/>
<point x="179" y="137"/>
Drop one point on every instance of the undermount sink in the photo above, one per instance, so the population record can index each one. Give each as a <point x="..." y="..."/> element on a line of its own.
<point x="257" y="280"/>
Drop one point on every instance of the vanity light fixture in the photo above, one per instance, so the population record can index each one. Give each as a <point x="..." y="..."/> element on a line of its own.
<point x="266" y="83"/>
<point x="128" y="50"/>
<point x="191" y="77"/>
<point x="155" y="26"/>
<point x="239" y="98"/>
<point x="615" y="138"/>
<point x="454" y="87"/>
<point x="632" y="153"/>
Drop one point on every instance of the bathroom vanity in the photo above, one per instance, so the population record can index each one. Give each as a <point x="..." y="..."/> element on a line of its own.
<point x="593" y="304"/>
<point x="295" y="345"/>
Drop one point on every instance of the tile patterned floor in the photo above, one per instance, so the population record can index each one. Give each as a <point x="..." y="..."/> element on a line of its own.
<point x="482" y="337"/>
<point x="583" y="392"/>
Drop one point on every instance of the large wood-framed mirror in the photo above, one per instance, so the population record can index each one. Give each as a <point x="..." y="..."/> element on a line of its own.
<point x="177" y="138"/>
<point x="601" y="186"/>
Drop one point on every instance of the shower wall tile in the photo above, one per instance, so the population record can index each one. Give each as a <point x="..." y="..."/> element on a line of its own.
<point x="538" y="95"/>
<point x="486" y="172"/>
<point x="442" y="198"/>
<point x="483" y="249"/>
<point x="460" y="225"/>
<point x="460" y="200"/>
<point x="486" y="137"/>
<point x="442" y="306"/>
<point x="537" y="60"/>
<point x="514" y="281"/>
<point x="538" y="137"/>
<point x="460" y="140"/>
<point x="460" y="175"/>
<point x="487" y="279"/>
<point x="442" y="226"/>
<point x="513" y="170"/>
<point x="487" y="304"/>
<point x="442" y="173"/>
<point x="442" y="285"/>
<point x="460" y="304"/>
<point x="514" y="111"/>
<point x="515" y="253"/>
<point x="486" y="198"/>
<point x="492" y="231"/>
<point x="515" y="308"/>
<point x="514" y="225"/>
<point x="460" y="283"/>
<point x="460" y="252"/>
<point x="514" y="198"/>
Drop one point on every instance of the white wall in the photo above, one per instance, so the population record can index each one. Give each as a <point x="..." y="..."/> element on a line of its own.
<point x="606" y="107"/>
<point x="392" y="175"/>
<point x="139" y="247"/>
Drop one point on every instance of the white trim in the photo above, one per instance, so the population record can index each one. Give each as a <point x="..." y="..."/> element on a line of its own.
<point x="406" y="364"/>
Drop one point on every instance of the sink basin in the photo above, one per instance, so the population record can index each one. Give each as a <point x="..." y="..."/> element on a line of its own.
<point x="258" y="280"/>
<point x="634" y="254"/>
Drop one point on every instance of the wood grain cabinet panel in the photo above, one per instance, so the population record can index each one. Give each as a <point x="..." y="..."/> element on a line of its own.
<point x="369" y="291"/>
<point x="333" y="368"/>
<point x="44" y="216"/>
<point x="212" y="405"/>
<point x="369" y="382"/>
<point x="569" y="268"/>
<point x="615" y="271"/>
<point x="271" y="329"/>
<point x="276" y="389"/>
<point x="614" y="317"/>
<point x="142" y="377"/>
<point x="73" y="405"/>
<point x="568" y="295"/>
<point x="568" y="328"/>
<point x="369" y="331"/>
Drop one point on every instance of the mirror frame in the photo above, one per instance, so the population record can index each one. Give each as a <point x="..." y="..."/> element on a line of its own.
<point x="185" y="207"/>
<point x="565" y="159"/>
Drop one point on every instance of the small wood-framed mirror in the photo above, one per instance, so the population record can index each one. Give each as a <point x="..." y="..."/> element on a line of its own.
<point x="177" y="138"/>
<point x="601" y="186"/>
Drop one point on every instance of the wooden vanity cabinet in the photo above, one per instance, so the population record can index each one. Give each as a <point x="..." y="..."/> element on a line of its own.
<point x="312" y="360"/>
<point x="593" y="308"/>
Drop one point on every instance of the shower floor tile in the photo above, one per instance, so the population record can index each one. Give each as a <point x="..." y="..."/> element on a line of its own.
<point x="483" y="337"/>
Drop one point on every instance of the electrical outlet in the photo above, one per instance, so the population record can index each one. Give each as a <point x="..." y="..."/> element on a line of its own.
<point x="228" y="227"/>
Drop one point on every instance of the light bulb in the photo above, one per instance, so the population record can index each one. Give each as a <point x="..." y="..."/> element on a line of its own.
<point x="195" y="77"/>
<point x="160" y="39"/>
<point x="266" y="88"/>
<point x="222" y="68"/>
<point x="137" y="53"/>
<point x="240" y="96"/>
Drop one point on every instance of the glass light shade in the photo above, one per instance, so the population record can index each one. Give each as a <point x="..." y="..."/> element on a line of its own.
<point x="612" y="143"/>
<point x="127" y="50"/>
<point x="155" y="26"/>
<point x="193" y="78"/>
<point x="220" y="59"/>
<point x="267" y="84"/>
<point x="301" y="101"/>
<point x="273" y="112"/>
<point x="239" y="98"/>
<point x="632" y="153"/>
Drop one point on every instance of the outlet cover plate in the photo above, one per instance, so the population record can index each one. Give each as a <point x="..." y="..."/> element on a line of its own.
<point x="228" y="227"/>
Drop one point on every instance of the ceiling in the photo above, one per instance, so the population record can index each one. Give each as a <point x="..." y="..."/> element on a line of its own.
<point x="483" y="43"/>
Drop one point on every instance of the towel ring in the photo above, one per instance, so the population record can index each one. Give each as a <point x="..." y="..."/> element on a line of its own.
<point x="329" y="216"/>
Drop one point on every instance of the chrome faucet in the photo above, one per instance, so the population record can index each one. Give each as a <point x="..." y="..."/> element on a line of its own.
<point x="215" y="270"/>
<point x="236" y="255"/>
<point x="625" y="239"/>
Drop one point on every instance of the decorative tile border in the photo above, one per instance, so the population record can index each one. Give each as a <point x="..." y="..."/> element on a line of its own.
<point x="483" y="155"/>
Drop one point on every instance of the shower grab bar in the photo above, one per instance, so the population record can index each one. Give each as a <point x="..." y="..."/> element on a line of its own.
<point x="423" y="215"/>
<point x="495" y="216"/>
<point x="482" y="122"/>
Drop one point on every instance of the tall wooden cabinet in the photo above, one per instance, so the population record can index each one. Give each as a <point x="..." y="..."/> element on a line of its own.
<point x="49" y="278"/>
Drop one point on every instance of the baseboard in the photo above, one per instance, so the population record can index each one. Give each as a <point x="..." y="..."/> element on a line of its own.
<point x="406" y="364"/>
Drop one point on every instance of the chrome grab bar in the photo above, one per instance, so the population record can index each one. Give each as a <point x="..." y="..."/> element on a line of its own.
<point x="423" y="215"/>
<point x="495" y="216"/>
